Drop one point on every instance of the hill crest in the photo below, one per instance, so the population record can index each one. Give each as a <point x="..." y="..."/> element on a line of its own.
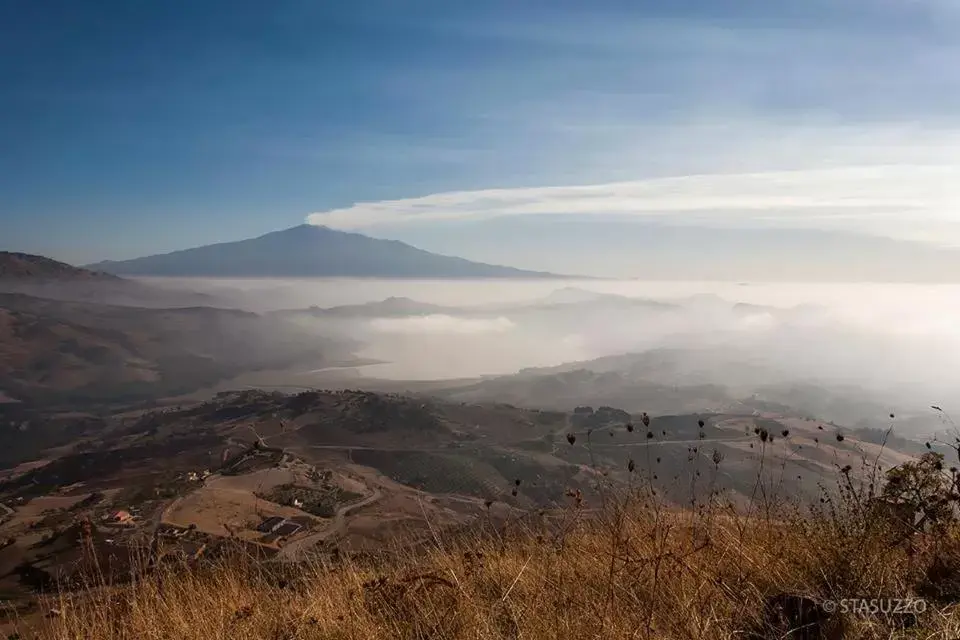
<point x="16" y="265"/>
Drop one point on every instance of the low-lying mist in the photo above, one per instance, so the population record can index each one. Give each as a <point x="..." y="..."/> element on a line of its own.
<point x="900" y="342"/>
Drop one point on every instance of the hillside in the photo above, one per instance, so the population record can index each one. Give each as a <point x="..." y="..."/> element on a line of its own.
<point x="43" y="277"/>
<point x="24" y="266"/>
<point x="633" y="571"/>
<point x="415" y="454"/>
<point x="610" y="530"/>
<point x="310" y="251"/>
<point x="63" y="352"/>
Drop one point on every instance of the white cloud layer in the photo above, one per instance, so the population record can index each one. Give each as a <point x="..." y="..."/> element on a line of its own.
<point x="440" y="324"/>
<point x="917" y="202"/>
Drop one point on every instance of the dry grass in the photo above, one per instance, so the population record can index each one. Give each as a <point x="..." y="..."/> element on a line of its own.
<point x="637" y="571"/>
<point x="634" y="568"/>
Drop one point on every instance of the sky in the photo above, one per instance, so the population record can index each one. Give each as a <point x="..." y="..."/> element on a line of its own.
<point x="131" y="128"/>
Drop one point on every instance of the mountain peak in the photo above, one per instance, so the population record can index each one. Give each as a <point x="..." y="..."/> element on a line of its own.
<point x="302" y="229"/>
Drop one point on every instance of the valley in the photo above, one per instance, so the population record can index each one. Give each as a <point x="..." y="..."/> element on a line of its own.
<point x="139" y="436"/>
<point x="323" y="472"/>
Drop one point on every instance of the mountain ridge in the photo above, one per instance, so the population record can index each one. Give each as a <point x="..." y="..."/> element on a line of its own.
<point x="15" y="265"/>
<point x="311" y="251"/>
<point x="42" y="277"/>
<point x="68" y="353"/>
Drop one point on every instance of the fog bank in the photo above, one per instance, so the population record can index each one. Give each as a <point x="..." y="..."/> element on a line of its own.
<point x="900" y="340"/>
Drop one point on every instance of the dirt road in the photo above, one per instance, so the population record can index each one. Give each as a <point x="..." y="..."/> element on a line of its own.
<point x="293" y="548"/>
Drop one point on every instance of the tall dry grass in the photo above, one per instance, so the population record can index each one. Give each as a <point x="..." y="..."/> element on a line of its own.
<point x="634" y="568"/>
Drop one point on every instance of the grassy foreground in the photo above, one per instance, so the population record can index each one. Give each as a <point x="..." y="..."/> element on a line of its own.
<point x="636" y="569"/>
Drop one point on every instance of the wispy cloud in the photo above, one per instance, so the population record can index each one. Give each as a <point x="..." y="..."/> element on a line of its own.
<point x="905" y="201"/>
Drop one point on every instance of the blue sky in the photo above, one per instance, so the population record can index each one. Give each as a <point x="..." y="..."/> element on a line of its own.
<point x="130" y="128"/>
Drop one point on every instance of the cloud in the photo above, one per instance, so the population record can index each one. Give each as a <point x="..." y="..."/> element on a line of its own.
<point x="440" y="324"/>
<point x="899" y="201"/>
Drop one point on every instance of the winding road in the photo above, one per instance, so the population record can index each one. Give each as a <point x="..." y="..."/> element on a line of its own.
<point x="292" y="548"/>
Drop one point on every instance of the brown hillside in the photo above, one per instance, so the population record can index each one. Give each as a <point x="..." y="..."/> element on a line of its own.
<point x="54" y="350"/>
<point x="14" y="265"/>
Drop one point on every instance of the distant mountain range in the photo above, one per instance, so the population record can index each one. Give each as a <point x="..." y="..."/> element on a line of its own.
<point x="392" y="307"/>
<point x="311" y="251"/>
<point x="573" y="301"/>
